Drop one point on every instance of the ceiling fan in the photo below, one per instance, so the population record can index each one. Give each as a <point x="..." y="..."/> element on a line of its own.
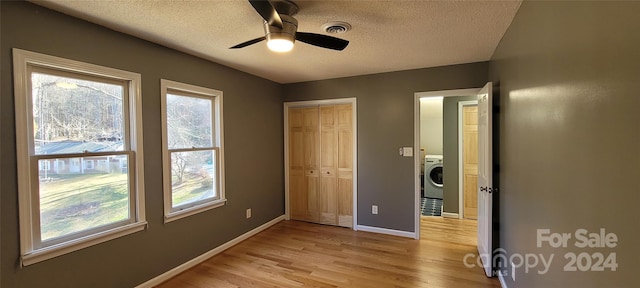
<point x="281" y="28"/>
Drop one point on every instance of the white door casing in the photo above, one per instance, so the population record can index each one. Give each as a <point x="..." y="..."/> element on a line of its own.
<point x="485" y="178"/>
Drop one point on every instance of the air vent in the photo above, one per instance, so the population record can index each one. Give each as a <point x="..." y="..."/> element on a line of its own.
<point x="336" y="27"/>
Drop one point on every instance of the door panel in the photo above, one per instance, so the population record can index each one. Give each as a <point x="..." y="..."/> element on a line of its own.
<point x="328" y="141"/>
<point x="313" y="211"/>
<point x="345" y="199"/>
<point x="345" y="164"/>
<point x="345" y="136"/>
<point x="296" y="152"/>
<point x="311" y="137"/>
<point x="297" y="182"/>
<point x="470" y="161"/>
<point x="470" y="196"/>
<point x="485" y="178"/>
<point x="298" y="195"/>
<point x="311" y="157"/>
<point x="328" y="178"/>
<point x="328" y="198"/>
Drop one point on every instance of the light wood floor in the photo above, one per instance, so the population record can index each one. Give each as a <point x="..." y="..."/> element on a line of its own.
<point x="299" y="254"/>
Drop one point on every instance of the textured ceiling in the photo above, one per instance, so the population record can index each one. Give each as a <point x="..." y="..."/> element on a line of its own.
<point x="386" y="35"/>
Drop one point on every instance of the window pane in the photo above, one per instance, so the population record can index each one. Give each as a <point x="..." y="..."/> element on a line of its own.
<point x="192" y="177"/>
<point x="74" y="115"/>
<point x="74" y="198"/>
<point x="188" y="122"/>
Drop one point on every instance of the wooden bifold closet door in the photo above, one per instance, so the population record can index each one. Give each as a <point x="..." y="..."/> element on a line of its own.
<point x="321" y="164"/>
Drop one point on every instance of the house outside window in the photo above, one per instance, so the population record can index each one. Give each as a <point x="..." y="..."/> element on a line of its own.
<point x="76" y="113"/>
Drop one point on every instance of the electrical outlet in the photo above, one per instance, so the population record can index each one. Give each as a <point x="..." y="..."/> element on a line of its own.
<point x="374" y="209"/>
<point x="248" y="213"/>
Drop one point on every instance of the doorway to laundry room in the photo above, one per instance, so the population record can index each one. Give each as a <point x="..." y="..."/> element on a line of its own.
<point x="446" y="134"/>
<point x="431" y="155"/>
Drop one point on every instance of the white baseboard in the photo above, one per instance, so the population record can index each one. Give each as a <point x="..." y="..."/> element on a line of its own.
<point x="195" y="261"/>
<point x="450" y="215"/>
<point x="503" y="282"/>
<point x="386" y="231"/>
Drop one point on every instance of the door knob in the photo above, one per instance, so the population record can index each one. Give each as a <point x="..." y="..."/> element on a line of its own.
<point x="488" y="189"/>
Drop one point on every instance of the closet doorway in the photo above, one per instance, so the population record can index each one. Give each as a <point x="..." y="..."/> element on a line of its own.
<point x="320" y="161"/>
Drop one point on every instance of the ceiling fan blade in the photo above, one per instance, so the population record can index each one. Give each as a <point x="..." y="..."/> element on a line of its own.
<point x="322" y="40"/>
<point x="267" y="11"/>
<point x="250" y="42"/>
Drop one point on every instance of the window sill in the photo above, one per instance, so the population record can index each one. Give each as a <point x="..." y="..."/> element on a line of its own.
<point x="46" y="253"/>
<point x="193" y="210"/>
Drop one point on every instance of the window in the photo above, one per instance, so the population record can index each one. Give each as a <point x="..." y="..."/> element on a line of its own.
<point x="76" y="113"/>
<point x="88" y="164"/>
<point x="45" y="165"/>
<point x="192" y="149"/>
<point x="103" y="165"/>
<point x="58" y="165"/>
<point x="74" y="165"/>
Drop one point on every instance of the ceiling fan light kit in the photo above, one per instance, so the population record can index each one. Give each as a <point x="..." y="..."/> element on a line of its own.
<point x="281" y="40"/>
<point x="281" y="28"/>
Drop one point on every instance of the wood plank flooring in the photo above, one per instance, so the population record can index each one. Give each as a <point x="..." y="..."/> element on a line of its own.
<point x="300" y="254"/>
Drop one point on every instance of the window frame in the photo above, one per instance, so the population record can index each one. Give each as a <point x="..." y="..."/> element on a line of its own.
<point x="88" y="164"/>
<point x="31" y="249"/>
<point x="215" y="96"/>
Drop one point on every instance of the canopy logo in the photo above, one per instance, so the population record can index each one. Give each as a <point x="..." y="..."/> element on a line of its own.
<point x="595" y="261"/>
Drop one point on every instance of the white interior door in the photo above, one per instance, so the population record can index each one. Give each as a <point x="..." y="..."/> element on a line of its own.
<point x="485" y="178"/>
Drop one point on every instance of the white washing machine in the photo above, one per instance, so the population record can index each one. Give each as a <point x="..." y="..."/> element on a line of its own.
<point x="433" y="176"/>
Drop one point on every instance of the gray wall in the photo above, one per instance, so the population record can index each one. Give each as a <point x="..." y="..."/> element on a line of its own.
<point x="254" y="169"/>
<point x="385" y="123"/>
<point x="450" y="152"/>
<point x="569" y="132"/>
<point x="569" y="128"/>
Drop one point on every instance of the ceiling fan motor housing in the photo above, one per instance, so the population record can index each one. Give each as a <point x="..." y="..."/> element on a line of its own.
<point x="288" y="31"/>
<point x="281" y="29"/>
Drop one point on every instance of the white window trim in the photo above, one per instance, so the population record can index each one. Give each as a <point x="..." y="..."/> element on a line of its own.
<point x="24" y="148"/>
<point x="218" y="139"/>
